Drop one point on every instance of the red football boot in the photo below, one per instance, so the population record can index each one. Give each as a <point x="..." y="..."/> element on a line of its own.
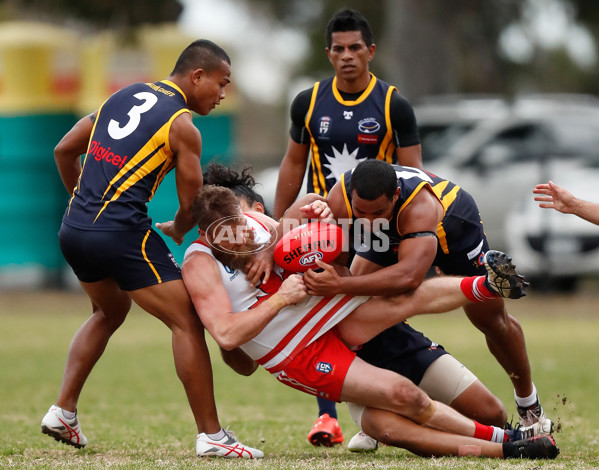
<point x="325" y="432"/>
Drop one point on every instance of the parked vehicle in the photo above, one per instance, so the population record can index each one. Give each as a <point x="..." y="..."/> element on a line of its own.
<point x="498" y="151"/>
<point x="555" y="250"/>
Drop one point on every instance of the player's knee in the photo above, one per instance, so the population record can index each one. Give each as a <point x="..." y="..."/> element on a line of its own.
<point x="493" y="412"/>
<point x="112" y="318"/>
<point x="388" y="435"/>
<point x="376" y="424"/>
<point x="391" y="432"/>
<point x="409" y="398"/>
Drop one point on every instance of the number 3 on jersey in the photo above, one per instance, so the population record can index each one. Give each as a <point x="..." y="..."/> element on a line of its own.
<point x="114" y="127"/>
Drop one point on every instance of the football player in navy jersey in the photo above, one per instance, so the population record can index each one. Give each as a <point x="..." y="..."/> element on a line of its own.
<point x="430" y="221"/>
<point x="131" y="142"/>
<point x="346" y="118"/>
<point x="339" y="122"/>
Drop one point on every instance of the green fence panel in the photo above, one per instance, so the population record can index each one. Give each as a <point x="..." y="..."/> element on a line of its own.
<point x="32" y="197"/>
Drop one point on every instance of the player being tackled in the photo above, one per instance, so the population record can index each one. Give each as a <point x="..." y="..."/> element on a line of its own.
<point x="275" y="323"/>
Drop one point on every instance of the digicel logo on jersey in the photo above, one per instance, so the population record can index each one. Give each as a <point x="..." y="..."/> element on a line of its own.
<point x="101" y="153"/>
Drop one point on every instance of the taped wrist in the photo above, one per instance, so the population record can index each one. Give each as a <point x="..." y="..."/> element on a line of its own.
<point x="277" y="301"/>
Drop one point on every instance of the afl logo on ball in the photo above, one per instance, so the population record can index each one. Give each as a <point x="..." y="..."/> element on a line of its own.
<point x="309" y="258"/>
<point x="369" y="125"/>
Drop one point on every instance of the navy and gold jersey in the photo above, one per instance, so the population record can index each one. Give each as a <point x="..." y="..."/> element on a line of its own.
<point x="127" y="158"/>
<point x="344" y="132"/>
<point x="455" y="231"/>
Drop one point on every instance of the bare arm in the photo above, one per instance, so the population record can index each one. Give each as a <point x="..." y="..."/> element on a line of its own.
<point x="211" y="300"/>
<point x="554" y="197"/>
<point x="67" y="154"/>
<point x="410" y="156"/>
<point x="291" y="176"/>
<point x="186" y="143"/>
<point x="415" y="257"/>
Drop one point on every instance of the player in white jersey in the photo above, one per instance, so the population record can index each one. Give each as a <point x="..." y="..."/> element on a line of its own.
<point x="294" y="326"/>
<point x="305" y="347"/>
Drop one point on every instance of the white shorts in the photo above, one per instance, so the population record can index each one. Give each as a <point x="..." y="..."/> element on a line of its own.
<point x="444" y="380"/>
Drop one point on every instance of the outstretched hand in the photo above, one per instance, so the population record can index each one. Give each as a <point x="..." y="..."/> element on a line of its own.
<point x="317" y="210"/>
<point x="554" y="197"/>
<point x="168" y="228"/>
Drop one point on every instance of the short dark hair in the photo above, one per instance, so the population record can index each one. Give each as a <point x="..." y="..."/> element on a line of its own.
<point x="203" y="54"/>
<point x="373" y="178"/>
<point x="241" y="183"/>
<point x="349" y="20"/>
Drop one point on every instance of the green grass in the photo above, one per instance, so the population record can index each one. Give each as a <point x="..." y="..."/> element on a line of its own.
<point x="135" y="414"/>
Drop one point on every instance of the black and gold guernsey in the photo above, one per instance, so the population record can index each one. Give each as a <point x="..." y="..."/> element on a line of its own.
<point x="460" y="234"/>
<point x="123" y="168"/>
<point x="343" y="132"/>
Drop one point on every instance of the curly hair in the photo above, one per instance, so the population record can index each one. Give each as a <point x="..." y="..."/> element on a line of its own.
<point x="240" y="182"/>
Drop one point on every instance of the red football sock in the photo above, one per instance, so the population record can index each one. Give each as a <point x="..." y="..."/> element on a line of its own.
<point x="475" y="289"/>
<point x="489" y="433"/>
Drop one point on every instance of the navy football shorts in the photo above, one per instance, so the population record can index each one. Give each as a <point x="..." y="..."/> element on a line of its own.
<point x="403" y="350"/>
<point x="135" y="259"/>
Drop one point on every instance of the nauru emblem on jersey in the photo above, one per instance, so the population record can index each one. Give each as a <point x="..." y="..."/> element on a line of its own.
<point x="325" y="125"/>
<point x="368" y="125"/>
<point x="367" y="128"/>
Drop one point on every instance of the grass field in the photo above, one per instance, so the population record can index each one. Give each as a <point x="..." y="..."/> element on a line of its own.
<point x="135" y="415"/>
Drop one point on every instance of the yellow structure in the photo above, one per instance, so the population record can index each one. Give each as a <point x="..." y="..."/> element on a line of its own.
<point x="109" y="63"/>
<point x="38" y="68"/>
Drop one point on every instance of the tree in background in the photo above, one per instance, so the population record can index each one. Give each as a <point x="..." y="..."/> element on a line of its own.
<point x="425" y="47"/>
<point x="115" y="14"/>
<point x="437" y="46"/>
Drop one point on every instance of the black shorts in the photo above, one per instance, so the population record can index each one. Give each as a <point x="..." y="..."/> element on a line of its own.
<point x="135" y="259"/>
<point x="403" y="350"/>
<point x="466" y="242"/>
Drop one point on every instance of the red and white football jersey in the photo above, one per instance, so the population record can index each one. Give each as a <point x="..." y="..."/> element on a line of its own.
<point x="295" y="326"/>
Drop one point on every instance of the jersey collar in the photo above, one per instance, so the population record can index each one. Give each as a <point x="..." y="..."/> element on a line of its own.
<point x="172" y="85"/>
<point x="362" y="97"/>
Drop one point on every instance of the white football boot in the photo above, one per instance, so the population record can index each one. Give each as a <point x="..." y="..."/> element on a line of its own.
<point x="228" y="447"/>
<point x="65" y="430"/>
<point x="362" y="442"/>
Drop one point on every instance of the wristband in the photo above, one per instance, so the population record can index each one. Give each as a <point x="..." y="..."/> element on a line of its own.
<point x="277" y="301"/>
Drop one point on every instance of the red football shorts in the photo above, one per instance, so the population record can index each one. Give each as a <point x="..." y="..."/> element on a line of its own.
<point x="319" y="369"/>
